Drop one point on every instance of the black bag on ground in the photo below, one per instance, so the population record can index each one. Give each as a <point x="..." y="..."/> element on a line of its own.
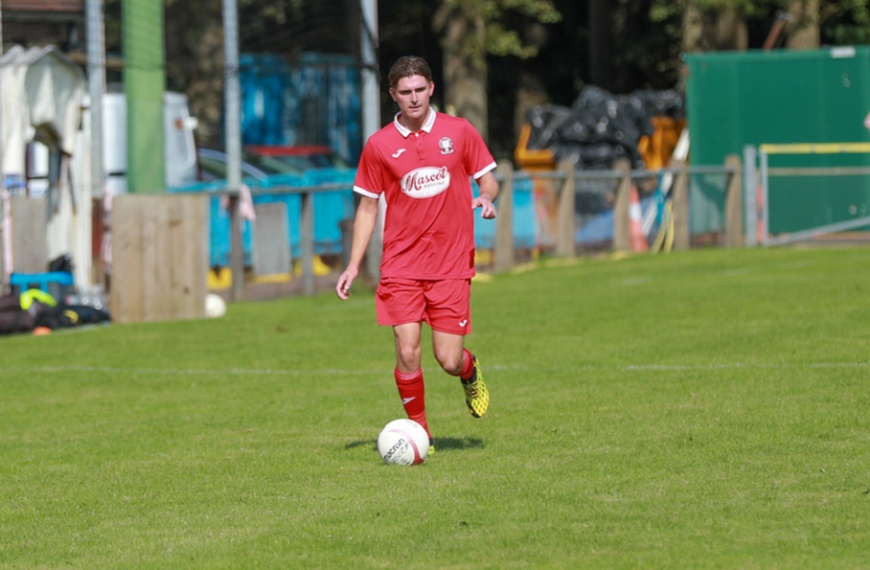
<point x="13" y="319"/>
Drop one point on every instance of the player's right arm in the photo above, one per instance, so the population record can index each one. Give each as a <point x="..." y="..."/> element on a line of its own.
<point x="363" y="227"/>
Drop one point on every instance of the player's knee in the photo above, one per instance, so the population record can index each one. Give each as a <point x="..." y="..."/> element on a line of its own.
<point x="409" y="356"/>
<point x="450" y="362"/>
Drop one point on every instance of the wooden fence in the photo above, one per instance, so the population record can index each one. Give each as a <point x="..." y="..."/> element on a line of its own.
<point x="160" y="243"/>
<point x="565" y="181"/>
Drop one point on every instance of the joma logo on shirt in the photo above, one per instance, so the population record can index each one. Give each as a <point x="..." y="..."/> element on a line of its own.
<point x="426" y="182"/>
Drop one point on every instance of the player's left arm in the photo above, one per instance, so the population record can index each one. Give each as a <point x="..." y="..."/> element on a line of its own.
<point x="479" y="161"/>
<point x="488" y="193"/>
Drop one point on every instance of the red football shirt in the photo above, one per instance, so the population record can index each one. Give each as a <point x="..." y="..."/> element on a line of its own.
<point x="425" y="178"/>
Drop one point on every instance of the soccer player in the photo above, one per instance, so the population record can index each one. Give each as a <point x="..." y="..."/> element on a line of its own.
<point x="422" y="163"/>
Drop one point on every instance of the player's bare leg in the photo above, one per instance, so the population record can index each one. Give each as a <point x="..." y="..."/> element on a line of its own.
<point x="456" y="360"/>
<point x="409" y="374"/>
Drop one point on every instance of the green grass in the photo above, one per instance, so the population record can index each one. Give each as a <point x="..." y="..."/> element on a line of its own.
<point x="706" y="409"/>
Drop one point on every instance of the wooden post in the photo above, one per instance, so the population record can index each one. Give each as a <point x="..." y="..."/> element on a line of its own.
<point x="306" y="232"/>
<point x="159" y="257"/>
<point x="566" y="226"/>
<point x="621" y="221"/>
<point x="29" y="234"/>
<point x="504" y="228"/>
<point x="680" y="202"/>
<point x="270" y="248"/>
<point x="734" y="202"/>
<point x="237" y="250"/>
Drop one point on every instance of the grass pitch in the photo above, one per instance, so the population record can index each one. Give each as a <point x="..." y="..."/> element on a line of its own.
<point x="705" y="409"/>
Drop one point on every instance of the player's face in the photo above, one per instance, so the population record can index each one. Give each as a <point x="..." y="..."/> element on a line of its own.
<point x="412" y="95"/>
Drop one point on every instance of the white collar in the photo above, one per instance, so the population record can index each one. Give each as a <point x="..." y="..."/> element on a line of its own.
<point x="427" y="126"/>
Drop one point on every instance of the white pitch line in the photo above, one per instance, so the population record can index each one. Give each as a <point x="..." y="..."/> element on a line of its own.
<point x="189" y="372"/>
<point x="337" y="371"/>
<point x="738" y="366"/>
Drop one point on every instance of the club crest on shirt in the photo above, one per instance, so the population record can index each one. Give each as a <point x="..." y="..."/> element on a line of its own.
<point x="426" y="182"/>
<point x="446" y="145"/>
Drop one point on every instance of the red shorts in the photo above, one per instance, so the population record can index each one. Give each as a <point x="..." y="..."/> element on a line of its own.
<point x="445" y="305"/>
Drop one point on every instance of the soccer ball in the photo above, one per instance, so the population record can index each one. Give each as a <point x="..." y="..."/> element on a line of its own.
<point x="215" y="306"/>
<point x="403" y="442"/>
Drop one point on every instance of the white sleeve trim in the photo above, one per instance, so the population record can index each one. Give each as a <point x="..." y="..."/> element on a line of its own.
<point x="484" y="171"/>
<point x="365" y="192"/>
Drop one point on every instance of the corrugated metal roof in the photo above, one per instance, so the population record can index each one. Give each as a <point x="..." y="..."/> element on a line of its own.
<point x="44" y="5"/>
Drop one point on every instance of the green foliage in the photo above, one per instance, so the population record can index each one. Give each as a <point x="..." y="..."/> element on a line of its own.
<point x="663" y="9"/>
<point x="486" y="22"/>
<point x="704" y="409"/>
<point x="846" y="22"/>
<point x="841" y="21"/>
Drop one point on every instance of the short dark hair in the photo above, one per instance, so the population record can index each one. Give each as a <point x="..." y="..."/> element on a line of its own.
<point x="409" y="65"/>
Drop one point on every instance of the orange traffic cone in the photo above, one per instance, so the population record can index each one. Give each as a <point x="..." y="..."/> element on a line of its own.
<point x="638" y="238"/>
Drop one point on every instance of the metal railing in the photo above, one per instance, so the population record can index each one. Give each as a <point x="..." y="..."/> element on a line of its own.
<point x="758" y="174"/>
<point x="564" y="180"/>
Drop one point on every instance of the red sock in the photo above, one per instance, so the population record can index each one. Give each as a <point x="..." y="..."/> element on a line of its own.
<point x="467" y="365"/>
<point x="413" y="393"/>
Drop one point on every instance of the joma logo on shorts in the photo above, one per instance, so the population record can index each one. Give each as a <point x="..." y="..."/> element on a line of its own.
<point x="426" y="182"/>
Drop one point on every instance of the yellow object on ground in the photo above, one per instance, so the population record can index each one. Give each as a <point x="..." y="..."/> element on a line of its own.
<point x="28" y="297"/>
<point x="320" y="268"/>
<point x="220" y="278"/>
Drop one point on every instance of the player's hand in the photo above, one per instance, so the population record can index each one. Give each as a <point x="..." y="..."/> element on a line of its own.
<point x="487" y="208"/>
<point x="345" y="280"/>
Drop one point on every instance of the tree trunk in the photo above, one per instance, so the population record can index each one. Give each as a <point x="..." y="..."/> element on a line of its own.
<point x="708" y="30"/>
<point x="465" y="81"/>
<point x="804" y="31"/>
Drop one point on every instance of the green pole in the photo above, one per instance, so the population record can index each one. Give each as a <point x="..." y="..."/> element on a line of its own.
<point x="144" y="83"/>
